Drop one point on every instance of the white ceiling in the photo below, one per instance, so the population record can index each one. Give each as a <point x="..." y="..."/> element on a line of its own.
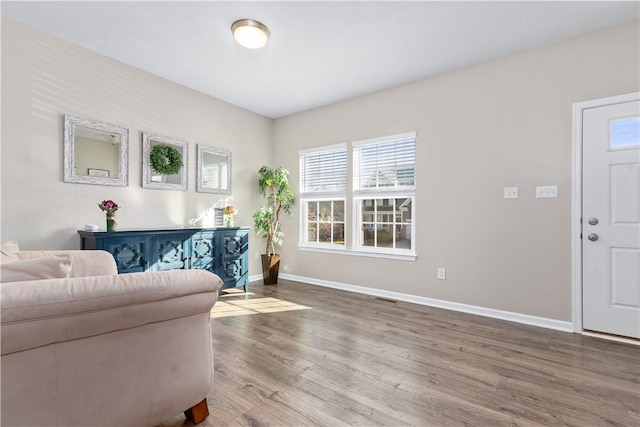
<point x="320" y="52"/>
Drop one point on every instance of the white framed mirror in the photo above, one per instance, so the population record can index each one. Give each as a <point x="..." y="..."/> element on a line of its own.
<point x="164" y="162"/>
<point x="214" y="170"/>
<point x="95" y="152"/>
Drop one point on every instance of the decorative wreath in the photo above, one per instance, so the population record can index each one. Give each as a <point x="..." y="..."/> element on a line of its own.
<point x="165" y="159"/>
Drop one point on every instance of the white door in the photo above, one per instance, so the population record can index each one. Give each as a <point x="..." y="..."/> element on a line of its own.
<point x="611" y="219"/>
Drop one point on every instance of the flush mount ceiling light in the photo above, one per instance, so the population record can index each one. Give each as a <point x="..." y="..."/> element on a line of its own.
<point x="250" y="34"/>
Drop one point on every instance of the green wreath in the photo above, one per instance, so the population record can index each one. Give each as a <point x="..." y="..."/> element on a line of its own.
<point x="165" y="159"/>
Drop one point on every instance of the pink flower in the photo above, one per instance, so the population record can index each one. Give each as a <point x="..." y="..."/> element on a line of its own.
<point x="230" y="210"/>
<point x="108" y="206"/>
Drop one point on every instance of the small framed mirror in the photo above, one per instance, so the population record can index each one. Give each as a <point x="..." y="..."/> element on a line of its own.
<point x="214" y="170"/>
<point x="164" y="162"/>
<point x="95" y="152"/>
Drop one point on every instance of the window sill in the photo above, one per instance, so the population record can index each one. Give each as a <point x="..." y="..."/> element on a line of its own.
<point x="362" y="253"/>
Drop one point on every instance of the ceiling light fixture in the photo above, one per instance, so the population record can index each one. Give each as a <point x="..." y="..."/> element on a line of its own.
<point x="250" y="34"/>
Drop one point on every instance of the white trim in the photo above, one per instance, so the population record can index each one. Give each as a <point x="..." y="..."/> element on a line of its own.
<point x="389" y="138"/>
<point x="526" y="319"/>
<point x="334" y="249"/>
<point x="576" y="199"/>
<point x="323" y="148"/>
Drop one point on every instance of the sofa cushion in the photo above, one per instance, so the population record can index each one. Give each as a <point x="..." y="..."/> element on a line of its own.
<point x="51" y="267"/>
<point x="9" y="251"/>
<point x="44" y="312"/>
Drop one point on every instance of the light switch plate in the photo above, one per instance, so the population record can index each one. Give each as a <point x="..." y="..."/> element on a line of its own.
<point x="547" y="192"/>
<point x="510" y="192"/>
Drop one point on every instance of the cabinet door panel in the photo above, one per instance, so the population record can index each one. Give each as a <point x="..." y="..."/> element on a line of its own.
<point x="170" y="252"/>
<point x="203" y="251"/>
<point x="234" y="243"/>
<point x="234" y="265"/>
<point x="129" y="253"/>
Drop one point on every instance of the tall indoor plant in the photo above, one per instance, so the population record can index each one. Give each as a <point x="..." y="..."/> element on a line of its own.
<point x="274" y="185"/>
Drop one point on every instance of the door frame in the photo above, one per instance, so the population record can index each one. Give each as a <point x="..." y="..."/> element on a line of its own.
<point x="576" y="198"/>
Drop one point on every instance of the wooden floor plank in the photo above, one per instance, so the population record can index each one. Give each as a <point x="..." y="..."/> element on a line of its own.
<point x="308" y="355"/>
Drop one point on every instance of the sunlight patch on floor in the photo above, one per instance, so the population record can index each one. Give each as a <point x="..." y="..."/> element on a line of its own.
<point x="243" y="307"/>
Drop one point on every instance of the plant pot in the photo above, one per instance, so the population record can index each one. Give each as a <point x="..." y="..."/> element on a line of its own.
<point x="270" y="267"/>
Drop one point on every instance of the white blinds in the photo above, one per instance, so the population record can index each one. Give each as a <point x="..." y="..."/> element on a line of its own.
<point x="386" y="164"/>
<point x="324" y="170"/>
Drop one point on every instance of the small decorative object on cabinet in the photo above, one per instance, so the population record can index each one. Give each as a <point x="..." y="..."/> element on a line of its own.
<point x="109" y="207"/>
<point x="223" y="251"/>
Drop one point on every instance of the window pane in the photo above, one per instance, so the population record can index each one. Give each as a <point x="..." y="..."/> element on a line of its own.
<point x="312" y="211"/>
<point x="385" y="236"/>
<point x="338" y="210"/>
<point x="312" y="233"/>
<point x="324" y="234"/>
<point x="624" y="133"/>
<point x="324" y="211"/>
<point x="338" y="233"/>
<point x="403" y="236"/>
<point x="368" y="235"/>
<point x="403" y="210"/>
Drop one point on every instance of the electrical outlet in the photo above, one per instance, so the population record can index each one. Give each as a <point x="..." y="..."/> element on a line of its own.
<point x="257" y="255"/>
<point x="510" y="192"/>
<point x="442" y="273"/>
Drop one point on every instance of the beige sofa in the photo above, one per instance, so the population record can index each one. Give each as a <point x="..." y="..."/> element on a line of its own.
<point x="101" y="349"/>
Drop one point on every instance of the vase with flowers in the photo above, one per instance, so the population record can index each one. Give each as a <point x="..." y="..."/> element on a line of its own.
<point x="229" y="212"/>
<point x="109" y="207"/>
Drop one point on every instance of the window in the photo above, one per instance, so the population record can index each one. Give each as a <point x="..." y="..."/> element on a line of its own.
<point x="624" y="133"/>
<point x="382" y="194"/>
<point x="323" y="186"/>
<point x="384" y="190"/>
<point x="384" y="165"/>
<point x="385" y="223"/>
<point x="325" y="221"/>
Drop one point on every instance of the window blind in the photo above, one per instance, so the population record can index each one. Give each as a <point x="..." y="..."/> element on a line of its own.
<point x="323" y="170"/>
<point x="385" y="164"/>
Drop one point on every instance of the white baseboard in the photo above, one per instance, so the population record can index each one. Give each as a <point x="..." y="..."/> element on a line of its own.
<point x="255" y="277"/>
<point x="526" y="319"/>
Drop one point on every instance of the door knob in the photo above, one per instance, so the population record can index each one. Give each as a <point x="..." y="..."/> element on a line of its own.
<point x="592" y="237"/>
<point x="593" y="221"/>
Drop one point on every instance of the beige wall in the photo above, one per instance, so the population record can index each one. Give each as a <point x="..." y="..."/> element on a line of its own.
<point x="44" y="78"/>
<point x="501" y="123"/>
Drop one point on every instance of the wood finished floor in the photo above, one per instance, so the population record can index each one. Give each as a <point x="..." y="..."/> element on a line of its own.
<point x="351" y="359"/>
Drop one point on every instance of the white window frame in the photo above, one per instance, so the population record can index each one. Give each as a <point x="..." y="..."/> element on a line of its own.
<point x="322" y="196"/>
<point x="304" y="224"/>
<point x="360" y="194"/>
<point x="353" y="214"/>
<point x="357" y="220"/>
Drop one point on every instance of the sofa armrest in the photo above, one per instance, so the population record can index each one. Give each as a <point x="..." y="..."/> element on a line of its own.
<point x="41" y="312"/>
<point x="85" y="263"/>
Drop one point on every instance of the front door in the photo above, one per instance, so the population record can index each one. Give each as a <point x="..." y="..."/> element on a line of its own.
<point x="611" y="219"/>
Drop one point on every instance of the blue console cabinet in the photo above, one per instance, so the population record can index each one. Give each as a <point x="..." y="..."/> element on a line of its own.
<point x="223" y="251"/>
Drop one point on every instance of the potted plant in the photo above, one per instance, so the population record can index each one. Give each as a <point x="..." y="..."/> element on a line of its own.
<point x="274" y="185"/>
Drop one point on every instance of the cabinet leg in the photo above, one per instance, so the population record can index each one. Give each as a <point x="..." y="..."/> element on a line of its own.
<point x="246" y="288"/>
<point x="197" y="412"/>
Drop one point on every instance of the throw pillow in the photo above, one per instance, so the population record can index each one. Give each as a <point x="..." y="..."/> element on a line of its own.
<point x="9" y="251"/>
<point x="50" y="267"/>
